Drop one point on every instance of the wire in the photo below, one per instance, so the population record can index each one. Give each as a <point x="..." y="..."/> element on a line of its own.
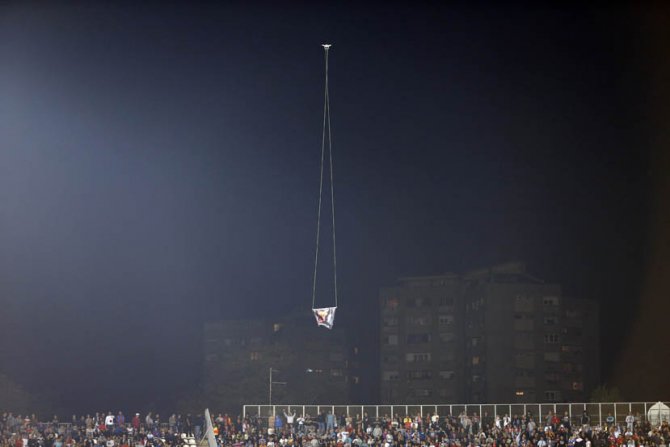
<point x="326" y="132"/>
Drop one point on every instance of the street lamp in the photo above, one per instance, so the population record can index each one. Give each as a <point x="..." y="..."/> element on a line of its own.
<point x="270" y="386"/>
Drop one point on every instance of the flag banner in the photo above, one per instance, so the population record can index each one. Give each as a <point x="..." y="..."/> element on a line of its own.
<point x="209" y="434"/>
<point x="325" y="316"/>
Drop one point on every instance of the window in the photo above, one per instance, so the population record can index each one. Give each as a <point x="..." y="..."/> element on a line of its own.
<point x="447" y="374"/>
<point x="390" y="322"/>
<point x="446" y="337"/>
<point x="519" y="393"/>
<point x="523" y="322"/>
<point x="447" y="356"/>
<point x="415" y="339"/>
<point x="423" y="374"/>
<point x="390" y="358"/>
<point x="390" y="376"/>
<point x="446" y="301"/>
<point x="477" y="304"/>
<point x="355" y="380"/>
<point x="523" y="303"/>
<point x="476" y="378"/>
<point x="391" y="303"/>
<point x="525" y="360"/>
<point x="254" y="356"/>
<point x="444" y="393"/>
<point x="550" y="301"/>
<point x="336" y="356"/>
<point x="551" y="338"/>
<point x="417" y="357"/>
<point x="552" y="378"/>
<point x="336" y="372"/>
<point x="552" y="396"/>
<point x="573" y="314"/>
<point x="445" y="320"/>
<point x="419" y="302"/>
<point x="552" y="357"/>
<point x="523" y="342"/>
<point x="550" y="321"/>
<point x="568" y="367"/>
<point x="419" y="320"/>
<point x="276" y="327"/>
<point x="390" y="340"/>
<point x="475" y="360"/>
<point x="578" y="386"/>
<point x="572" y="349"/>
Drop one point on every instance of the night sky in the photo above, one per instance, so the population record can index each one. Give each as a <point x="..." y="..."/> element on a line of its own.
<point x="159" y="167"/>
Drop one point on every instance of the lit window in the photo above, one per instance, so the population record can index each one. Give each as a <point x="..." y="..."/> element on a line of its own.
<point x="276" y="327"/>
<point x="255" y="356"/>
<point x="519" y="393"/>
<point x="475" y="360"/>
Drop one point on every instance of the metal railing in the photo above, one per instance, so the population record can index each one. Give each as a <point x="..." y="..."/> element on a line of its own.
<point x="597" y="412"/>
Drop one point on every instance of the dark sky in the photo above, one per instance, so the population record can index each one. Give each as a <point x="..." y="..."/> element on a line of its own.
<point x="159" y="168"/>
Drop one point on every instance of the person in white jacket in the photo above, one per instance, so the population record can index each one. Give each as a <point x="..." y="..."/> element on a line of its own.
<point x="290" y="419"/>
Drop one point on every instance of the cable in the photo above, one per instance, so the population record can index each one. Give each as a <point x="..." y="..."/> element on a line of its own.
<point x="326" y="130"/>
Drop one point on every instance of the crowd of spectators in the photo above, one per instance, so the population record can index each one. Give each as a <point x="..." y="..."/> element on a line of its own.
<point x="332" y="430"/>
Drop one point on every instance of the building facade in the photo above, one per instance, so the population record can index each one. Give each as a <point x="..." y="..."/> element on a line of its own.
<point x="493" y="335"/>
<point x="310" y="365"/>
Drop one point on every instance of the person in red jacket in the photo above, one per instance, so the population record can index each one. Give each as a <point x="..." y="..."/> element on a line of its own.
<point x="136" y="423"/>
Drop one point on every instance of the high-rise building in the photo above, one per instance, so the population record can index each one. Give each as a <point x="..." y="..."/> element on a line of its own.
<point x="493" y="335"/>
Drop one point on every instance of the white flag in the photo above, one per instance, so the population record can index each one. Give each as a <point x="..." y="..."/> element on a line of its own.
<point x="325" y="316"/>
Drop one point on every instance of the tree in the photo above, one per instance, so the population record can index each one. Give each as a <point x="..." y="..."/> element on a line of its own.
<point x="603" y="393"/>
